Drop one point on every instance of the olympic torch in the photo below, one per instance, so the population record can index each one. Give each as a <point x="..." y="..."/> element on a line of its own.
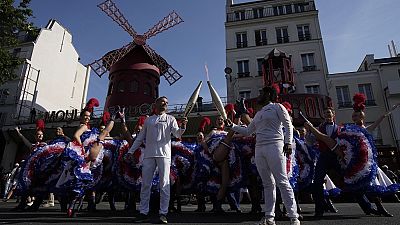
<point x="217" y="101"/>
<point x="192" y="101"/>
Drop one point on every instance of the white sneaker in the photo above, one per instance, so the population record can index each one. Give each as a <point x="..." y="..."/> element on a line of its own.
<point x="294" y="221"/>
<point x="266" y="221"/>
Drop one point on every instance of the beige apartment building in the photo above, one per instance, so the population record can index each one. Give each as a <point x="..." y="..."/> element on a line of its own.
<point x="254" y="28"/>
<point x="379" y="80"/>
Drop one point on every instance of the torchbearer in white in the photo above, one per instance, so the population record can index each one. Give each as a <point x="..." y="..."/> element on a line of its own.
<point x="271" y="148"/>
<point x="157" y="130"/>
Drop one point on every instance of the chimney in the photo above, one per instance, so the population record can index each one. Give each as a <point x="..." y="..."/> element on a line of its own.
<point x="390" y="51"/>
<point x="394" y="48"/>
<point x="229" y="3"/>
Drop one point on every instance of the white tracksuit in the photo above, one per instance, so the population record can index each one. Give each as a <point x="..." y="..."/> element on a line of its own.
<point x="156" y="132"/>
<point x="270" y="160"/>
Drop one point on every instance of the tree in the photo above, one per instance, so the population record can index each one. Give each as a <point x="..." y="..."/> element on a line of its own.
<point x="13" y="22"/>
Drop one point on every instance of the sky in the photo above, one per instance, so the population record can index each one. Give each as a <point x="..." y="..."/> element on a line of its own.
<point x="350" y="30"/>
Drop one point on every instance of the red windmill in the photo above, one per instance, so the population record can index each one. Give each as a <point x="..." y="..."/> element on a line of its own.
<point x="135" y="69"/>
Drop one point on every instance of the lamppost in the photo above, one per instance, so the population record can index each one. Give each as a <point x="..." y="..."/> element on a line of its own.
<point x="230" y="86"/>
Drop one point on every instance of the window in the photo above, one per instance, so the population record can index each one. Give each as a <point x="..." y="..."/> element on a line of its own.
<point x="308" y="62"/>
<point x="243" y="68"/>
<point x="258" y="13"/>
<point x="303" y="32"/>
<point x="3" y="118"/>
<point x="261" y="37"/>
<point x="300" y="7"/>
<point x="282" y="35"/>
<point x="288" y="9"/>
<point x="16" y="52"/>
<point x="259" y="66"/>
<point x="134" y="86"/>
<point x="241" y="40"/>
<point x="147" y="90"/>
<point x="121" y="86"/>
<point x="366" y="89"/>
<point x="245" y="94"/>
<point x="312" y="89"/>
<point x="279" y="10"/>
<point x="240" y="15"/>
<point x="343" y="96"/>
<point x="73" y="92"/>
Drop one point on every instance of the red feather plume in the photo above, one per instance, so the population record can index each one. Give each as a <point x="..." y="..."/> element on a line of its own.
<point x="40" y="125"/>
<point x="141" y="120"/>
<point x="205" y="122"/>
<point x="93" y="102"/>
<point x="288" y="106"/>
<point x="229" y="108"/>
<point x="106" y="117"/>
<point x="276" y="87"/>
<point x="359" y="102"/>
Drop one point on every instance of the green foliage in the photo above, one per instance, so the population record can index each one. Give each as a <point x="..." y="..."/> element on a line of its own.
<point x="13" y="22"/>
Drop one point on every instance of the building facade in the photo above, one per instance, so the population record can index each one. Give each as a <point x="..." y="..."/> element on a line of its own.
<point x="379" y="80"/>
<point x="50" y="79"/>
<point x="255" y="28"/>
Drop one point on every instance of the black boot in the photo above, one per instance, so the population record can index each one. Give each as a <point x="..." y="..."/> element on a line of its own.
<point x="382" y="211"/>
<point x="217" y="207"/>
<point x="73" y="207"/>
<point x="91" y="204"/>
<point x="36" y="204"/>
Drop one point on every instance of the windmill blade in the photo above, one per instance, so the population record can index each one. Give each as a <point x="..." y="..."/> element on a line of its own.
<point x="98" y="67"/>
<point x="104" y="64"/>
<point x="167" y="22"/>
<point x="112" y="11"/>
<point x="166" y="70"/>
<point x="171" y="75"/>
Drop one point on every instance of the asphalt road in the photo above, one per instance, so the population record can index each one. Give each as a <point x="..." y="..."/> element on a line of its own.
<point x="349" y="213"/>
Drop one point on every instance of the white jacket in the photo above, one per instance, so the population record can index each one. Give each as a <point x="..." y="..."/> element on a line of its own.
<point x="157" y="130"/>
<point x="267" y="125"/>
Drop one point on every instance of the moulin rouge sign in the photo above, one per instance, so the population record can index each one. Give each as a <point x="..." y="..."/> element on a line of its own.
<point x="72" y="115"/>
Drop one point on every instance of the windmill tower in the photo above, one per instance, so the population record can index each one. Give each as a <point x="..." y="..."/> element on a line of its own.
<point x="135" y="69"/>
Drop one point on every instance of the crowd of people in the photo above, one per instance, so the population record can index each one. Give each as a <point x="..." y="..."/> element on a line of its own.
<point x="255" y="153"/>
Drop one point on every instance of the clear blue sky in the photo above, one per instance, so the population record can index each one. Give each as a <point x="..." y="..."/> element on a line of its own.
<point x="350" y="29"/>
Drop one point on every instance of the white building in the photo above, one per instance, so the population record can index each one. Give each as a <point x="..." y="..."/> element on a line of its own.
<point x="254" y="28"/>
<point x="52" y="78"/>
<point x="379" y="80"/>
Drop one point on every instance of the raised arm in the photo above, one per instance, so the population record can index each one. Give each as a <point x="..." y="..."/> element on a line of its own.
<point x="373" y="126"/>
<point x="249" y="130"/>
<point x="27" y="143"/>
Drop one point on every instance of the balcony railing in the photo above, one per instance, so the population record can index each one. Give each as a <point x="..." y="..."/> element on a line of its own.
<point x="345" y="104"/>
<point x="243" y="74"/>
<point x="281" y="40"/>
<point x="309" y="68"/>
<point x="241" y="44"/>
<point x="266" y="12"/>
<point x="261" y="42"/>
<point x="304" y="37"/>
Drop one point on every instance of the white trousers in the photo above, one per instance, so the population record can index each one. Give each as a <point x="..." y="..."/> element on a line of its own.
<point x="148" y="168"/>
<point x="271" y="165"/>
